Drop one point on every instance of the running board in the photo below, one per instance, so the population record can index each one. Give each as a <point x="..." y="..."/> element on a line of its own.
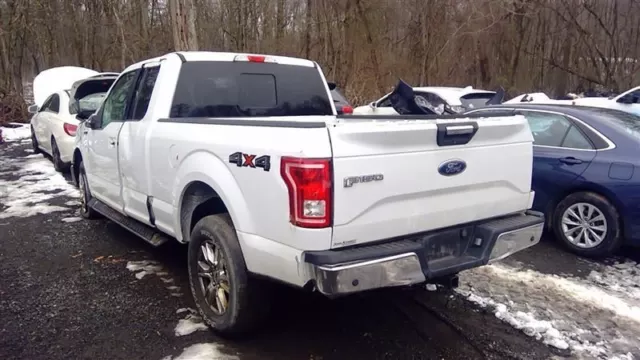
<point x="147" y="233"/>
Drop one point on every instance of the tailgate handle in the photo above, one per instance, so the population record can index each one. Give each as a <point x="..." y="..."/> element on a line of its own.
<point x="456" y="134"/>
<point x="459" y="129"/>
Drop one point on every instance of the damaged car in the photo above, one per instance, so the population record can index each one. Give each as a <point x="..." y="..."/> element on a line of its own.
<point x="63" y="97"/>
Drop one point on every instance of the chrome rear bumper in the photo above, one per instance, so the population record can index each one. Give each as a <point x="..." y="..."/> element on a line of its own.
<point x="409" y="261"/>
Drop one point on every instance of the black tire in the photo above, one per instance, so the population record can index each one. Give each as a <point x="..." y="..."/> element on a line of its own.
<point x="85" y="211"/>
<point x="34" y="142"/>
<point x="248" y="299"/>
<point x="612" y="239"/>
<point x="55" y="155"/>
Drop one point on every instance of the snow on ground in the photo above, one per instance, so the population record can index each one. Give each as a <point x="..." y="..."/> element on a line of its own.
<point x="204" y="351"/>
<point x="71" y="219"/>
<point x="190" y="324"/>
<point x="16" y="132"/>
<point x="595" y="318"/>
<point x="37" y="182"/>
<point x="145" y="267"/>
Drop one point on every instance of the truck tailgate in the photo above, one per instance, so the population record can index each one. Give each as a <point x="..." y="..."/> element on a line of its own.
<point x="399" y="177"/>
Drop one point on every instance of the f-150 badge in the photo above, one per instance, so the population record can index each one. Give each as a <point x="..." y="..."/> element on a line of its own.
<point x="349" y="181"/>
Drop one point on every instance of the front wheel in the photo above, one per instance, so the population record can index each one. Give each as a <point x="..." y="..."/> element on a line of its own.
<point x="34" y="142"/>
<point x="227" y="298"/>
<point x="588" y="225"/>
<point x="85" y="195"/>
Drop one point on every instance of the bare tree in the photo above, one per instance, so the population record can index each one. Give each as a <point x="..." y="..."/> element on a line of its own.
<point x="183" y="20"/>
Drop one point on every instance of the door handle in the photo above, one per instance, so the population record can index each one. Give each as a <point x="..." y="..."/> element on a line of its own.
<point x="570" y="160"/>
<point x="112" y="141"/>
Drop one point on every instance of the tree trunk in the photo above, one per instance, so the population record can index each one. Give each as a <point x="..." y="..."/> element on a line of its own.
<point x="183" y="19"/>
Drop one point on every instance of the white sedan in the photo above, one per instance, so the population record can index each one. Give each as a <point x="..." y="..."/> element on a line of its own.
<point x="628" y="101"/>
<point x="64" y="96"/>
<point x="451" y="99"/>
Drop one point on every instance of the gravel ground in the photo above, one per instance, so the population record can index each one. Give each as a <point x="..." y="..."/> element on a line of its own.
<point x="72" y="288"/>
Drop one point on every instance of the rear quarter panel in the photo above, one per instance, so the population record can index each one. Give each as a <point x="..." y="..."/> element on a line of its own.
<point x="257" y="200"/>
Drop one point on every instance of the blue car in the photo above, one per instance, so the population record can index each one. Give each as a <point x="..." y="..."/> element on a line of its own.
<point x="586" y="174"/>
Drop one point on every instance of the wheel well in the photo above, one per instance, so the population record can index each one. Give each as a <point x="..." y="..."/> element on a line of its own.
<point x="551" y="208"/>
<point x="199" y="200"/>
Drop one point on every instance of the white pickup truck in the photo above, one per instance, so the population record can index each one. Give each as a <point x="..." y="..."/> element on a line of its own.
<point x="243" y="158"/>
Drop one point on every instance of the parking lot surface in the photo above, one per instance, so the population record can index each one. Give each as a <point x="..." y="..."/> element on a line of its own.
<point x="72" y="288"/>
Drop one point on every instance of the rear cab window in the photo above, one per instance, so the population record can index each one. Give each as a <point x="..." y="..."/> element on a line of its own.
<point x="246" y="89"/>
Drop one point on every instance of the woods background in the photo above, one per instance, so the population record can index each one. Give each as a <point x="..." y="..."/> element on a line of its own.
<point x="363" y="45"/>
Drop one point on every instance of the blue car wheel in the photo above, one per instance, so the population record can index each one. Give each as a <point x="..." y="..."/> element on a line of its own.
<point x="588" y="225"/>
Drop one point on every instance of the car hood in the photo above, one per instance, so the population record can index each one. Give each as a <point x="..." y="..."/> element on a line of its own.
<point x="55" y="79"/>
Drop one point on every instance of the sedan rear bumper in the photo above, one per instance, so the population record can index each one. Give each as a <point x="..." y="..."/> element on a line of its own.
<point x="421" y="257"/>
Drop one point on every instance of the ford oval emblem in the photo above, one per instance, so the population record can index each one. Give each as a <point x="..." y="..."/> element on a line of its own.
<point x="452" y="167"/>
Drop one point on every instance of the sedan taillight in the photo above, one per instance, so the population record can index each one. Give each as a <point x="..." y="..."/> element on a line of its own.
<point x="70" y="129"/>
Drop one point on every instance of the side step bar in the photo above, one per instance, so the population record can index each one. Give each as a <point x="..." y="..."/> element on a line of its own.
<point x="147" y="233"/>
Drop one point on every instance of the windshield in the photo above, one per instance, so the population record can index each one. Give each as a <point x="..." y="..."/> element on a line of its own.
<point x="475" y="100"/>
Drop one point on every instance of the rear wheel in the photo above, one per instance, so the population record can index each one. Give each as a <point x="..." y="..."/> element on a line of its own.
<point x="55" y="155"/>
<point x="588" y="225"/>
<point x="34" y="142"/>
<point x="227" y="298"/>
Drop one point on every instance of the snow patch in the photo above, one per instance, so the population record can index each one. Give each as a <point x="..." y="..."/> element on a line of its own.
<point x="622" y="278"/>
<point x="594" y="318"/>
<point x="147" y="267"/>
<point x="540" y="329"/>
<point x="431" y="287"/>
<point x="204" y="351"/>
<point x="190" y="324"/>
<point x="29" y="194"/>
<point x="19" y="132"/>
<point x="71" y="219"/>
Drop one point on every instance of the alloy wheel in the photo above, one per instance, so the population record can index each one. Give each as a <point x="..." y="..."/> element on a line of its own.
<point x="584" y="225"/>
<point x="213" y="277"/>
<point x="83" y="193"/>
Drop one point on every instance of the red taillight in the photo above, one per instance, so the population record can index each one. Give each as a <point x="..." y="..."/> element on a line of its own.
<point x="309" y="184"/>
<point x="70" y="129"/>
<point x="256" y="58"/>
<point x="347" y="110"/>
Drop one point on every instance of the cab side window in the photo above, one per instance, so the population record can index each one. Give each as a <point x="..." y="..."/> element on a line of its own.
<point x="115" y="105"/>
<point x="143" y="92"/>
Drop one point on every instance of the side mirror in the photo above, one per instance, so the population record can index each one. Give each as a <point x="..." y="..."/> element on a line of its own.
<point x="332" y="85"/>
<point x="93" y="122"/>
<point x="372" y="105"/>
<point x="33" y="109"/>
